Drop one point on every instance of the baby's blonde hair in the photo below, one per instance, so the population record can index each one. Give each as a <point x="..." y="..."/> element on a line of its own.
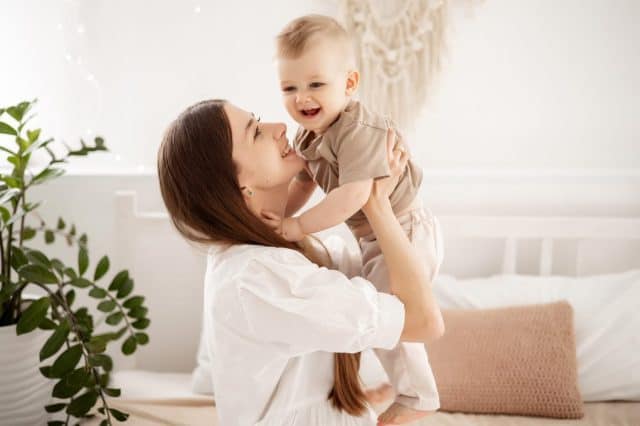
<point x="302" y="32"/>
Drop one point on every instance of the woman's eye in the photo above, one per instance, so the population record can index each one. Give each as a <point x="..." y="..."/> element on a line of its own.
<point x="288" y="89"/>
<point x="316" y="85"/>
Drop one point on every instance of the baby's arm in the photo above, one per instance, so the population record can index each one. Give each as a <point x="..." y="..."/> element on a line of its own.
<point x="299" y="193"/>
<point x="339" y="205"/>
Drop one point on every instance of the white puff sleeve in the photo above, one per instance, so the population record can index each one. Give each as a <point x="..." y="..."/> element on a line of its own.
<point x="290" y="301"/>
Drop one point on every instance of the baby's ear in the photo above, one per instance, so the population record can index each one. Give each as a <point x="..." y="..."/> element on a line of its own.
<point x="353" y="79"/>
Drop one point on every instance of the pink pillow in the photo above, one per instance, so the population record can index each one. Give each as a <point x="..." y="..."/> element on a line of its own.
<point x="516" y="360"/>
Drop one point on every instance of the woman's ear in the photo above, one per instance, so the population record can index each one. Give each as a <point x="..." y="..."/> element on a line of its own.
<point x="353" y="79"/>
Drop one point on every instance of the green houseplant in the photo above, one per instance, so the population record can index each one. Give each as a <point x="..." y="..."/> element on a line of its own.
<point x="72" y="348"/>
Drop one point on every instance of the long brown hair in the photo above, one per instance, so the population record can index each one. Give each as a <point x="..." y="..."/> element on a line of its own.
<point x="199" y="186"/>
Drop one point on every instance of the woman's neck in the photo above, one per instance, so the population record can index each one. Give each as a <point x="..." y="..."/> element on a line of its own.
<point x="274" y="200"/>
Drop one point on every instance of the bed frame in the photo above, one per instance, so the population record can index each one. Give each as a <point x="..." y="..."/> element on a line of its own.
<point x="169" y="271"/>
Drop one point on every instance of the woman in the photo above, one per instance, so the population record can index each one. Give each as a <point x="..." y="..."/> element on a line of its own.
<point x="287" y="332"/>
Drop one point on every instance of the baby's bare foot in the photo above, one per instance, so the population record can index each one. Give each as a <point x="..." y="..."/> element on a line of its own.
<point x="380" y="394"/>
<point x="398" y="414"/>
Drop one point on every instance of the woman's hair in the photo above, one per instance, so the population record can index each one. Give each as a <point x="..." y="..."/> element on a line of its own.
<point x="199" y="186"/>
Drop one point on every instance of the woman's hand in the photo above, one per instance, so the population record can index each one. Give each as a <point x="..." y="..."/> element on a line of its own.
<point x="397" y="158"/>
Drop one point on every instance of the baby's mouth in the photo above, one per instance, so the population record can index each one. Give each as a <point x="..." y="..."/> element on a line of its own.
<point x="310" y="112"/>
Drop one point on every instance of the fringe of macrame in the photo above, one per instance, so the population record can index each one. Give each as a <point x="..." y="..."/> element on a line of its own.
<point x="398" y="56"/>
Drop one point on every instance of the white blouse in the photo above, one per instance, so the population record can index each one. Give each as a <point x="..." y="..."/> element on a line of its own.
<point x="275" y="320"/>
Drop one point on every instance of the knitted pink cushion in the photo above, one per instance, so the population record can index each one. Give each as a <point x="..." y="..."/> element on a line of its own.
<point x="516" y="360"/>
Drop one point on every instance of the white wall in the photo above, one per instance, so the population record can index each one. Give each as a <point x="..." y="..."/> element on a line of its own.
<point x="527" y="84"/>
<point x="546" y="86"/>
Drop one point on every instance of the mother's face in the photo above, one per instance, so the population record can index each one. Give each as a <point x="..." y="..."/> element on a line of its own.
<point x="258" y="151"/>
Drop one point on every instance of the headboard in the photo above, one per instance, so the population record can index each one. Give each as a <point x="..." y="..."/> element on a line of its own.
<point x="169" y="271"/>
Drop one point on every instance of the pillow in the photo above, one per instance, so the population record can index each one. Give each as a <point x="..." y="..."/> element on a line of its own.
<point x="517" y="360"/>
<point x="606" y="319"/>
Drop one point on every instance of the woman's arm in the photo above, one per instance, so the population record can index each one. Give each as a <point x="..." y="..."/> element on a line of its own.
<point x="408" y="276"/>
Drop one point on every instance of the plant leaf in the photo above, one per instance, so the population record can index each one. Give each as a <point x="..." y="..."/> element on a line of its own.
<point x="47" y="324"/>
<point x="81" y="282"/>
<point x="102" y="268"/>
<point x="125" y="289"/>
<point x="119" y="415"/>
<point x="112" y="392"/>
<point x="46" y="174"/>
<point x="129" y="345"/>
<point x="67" y="361"/>
<point x="82" y="404"/>
<point x="33" y="135"/>
<point x="142" y="338"/>
<point x="70" y="297"/>
<point x="102" y="360"/>
<point x="6" y="129"/>
<point x="54" y="408"/>
<point x="18" y="258"/>
<point x="106" y="306"/>
<point x="64" y="389"/>
<point x="55" y="341"/>
<point x="28" y="233"/>
<point x="83" y="260"/>
<point x="36" y="256"/>
<point x="49" y="236"/>
<point x="133" y="302"/>
<point x="35" y="273"/>
<point x="114" y="318"/>
<point x="33" y="315"/>
<point x="138" y="312"/>
<point x="120" y="278"/>
<point x="98" y="292"/>
<point x="8" y="194"/>
<point x="141" y="324"/>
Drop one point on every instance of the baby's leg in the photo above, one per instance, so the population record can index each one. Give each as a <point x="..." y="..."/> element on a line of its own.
<point x="407" y="364"/>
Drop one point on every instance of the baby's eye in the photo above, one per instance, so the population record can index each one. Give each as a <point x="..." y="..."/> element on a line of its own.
<point x="288" y="89"/>
<point x="315" y="85"/>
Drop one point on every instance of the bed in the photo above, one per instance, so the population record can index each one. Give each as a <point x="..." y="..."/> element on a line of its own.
<point x="157" y="384"/>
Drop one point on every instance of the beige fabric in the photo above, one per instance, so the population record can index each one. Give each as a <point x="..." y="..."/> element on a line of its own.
<point x="516" y="360"/>
<point x="352" y="149"/>
<point x="154" y="413"/>
<point x="407" y="365"/>
<point x="399" y="46"/>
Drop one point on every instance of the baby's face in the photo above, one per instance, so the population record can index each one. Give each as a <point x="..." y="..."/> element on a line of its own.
<point x="314" y="86"/>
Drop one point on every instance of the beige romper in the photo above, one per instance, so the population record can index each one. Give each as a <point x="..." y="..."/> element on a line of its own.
<point x="354" y="148"/>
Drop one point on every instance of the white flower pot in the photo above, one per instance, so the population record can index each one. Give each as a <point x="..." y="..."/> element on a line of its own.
<point x="24" y="391"/>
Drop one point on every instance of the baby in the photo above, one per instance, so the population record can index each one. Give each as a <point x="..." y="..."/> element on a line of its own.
<point x="345" y="146"/>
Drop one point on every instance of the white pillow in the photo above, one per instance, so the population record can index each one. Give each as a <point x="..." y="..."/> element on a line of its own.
<point x="606" y="318"/>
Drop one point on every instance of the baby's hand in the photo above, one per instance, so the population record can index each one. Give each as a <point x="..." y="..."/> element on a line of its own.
<point x="288" y="227"/>
<point x="291" y="229"/>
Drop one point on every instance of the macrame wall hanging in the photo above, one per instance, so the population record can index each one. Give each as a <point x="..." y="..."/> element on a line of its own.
<point x="399" y="46"/>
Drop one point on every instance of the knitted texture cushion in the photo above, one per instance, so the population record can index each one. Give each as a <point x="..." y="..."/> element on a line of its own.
<point x="516" y="360"/>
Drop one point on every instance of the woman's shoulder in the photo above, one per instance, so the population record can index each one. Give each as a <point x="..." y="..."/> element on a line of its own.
<point x="241" y="258"/>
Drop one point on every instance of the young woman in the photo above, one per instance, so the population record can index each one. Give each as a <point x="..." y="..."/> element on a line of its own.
<point x="287" y="331"/>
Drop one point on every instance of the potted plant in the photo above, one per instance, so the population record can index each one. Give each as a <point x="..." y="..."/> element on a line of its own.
<point x="51" y="333"/>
